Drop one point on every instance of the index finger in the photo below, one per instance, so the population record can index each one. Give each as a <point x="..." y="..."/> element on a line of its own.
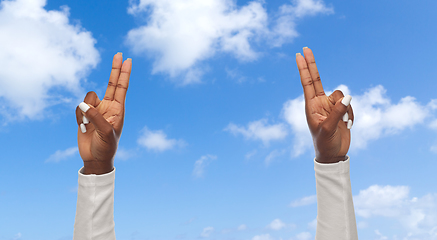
<point x="309" y="58"/>
<point x="305" y="78"/>
<point x="123" y="81"/>
<point x="113" y="78"/>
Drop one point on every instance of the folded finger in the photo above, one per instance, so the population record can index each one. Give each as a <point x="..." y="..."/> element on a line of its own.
<point x="97" y="119"/>
<point x="78" y="115"/>
<point x="331" y="122"/>
<point x="350" y="112"/>
<point x="335" y="96"/>
<point x="91" y="98"/>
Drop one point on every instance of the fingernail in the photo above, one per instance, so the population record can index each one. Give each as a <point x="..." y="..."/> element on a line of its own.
<point x="298" y="54"/>
<point x="82" y="128"/>
<point x="84" y="107"/>
<point x="346" y="100"/>
<point x="85" y="120"/>
<point x="304" y="48"/>
<point x="346" y="117"/>
<point x="349" y="124"/>
<point x="130" y="59"/>
<point x="120" y="53"/>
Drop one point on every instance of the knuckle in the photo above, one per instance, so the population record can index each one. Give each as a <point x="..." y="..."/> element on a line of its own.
<point x="339" y="93"/>
<point x="338" y="110"/>
<point x="324" y="129"/>
<point x="109" y="132"/>
<point x="92" y="113"/>
<point x="121" y="86"/>
<point x="307" y="81"/>
<point x="303" y="68"/>
<point x="90" y="94"/>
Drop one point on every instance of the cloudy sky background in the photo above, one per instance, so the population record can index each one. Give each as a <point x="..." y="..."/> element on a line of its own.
<point x="215" y="143"/>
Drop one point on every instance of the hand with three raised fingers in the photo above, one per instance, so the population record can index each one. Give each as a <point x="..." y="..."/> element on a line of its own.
<point x="329" y="118"/>
<point x="101" y="121"/>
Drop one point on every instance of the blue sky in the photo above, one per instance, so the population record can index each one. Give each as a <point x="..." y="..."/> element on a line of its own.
<point x="215" y="144"/>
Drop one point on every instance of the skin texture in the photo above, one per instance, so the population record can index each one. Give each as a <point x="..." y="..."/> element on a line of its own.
<point x="98" y="145"/>
<point x="324" y="113"/>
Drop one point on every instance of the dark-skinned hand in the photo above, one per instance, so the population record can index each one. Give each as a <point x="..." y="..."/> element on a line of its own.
<point x="98" y="139"/>
<point x="326" y="115"/>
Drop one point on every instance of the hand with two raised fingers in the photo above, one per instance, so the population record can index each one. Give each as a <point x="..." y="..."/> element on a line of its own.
<point x="329" y="118"/>
<point x="101" y="121"/>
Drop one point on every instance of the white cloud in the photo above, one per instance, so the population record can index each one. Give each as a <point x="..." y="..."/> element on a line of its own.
<point x="158" y="141"/>
<point x="260" y="130"/>
<point x="207" y="232"/>
<point x="276" y="224"/>
<point x="62" y="155"/>
<point x="293" y="111"/>
<point x="384" y="201"/>
<point x="285" y="26"/>
<point x="40" y="50"/>
<point x="375" y="117"/>
<point x="199" y="165"/>
<point x="272" y="155"/>
<point x="304" y="8"/>
<point x="180" y="34"/>
<point x="304" y="201"/>
<point x="418" y="216"/>
<point x="263" y="237"/>
<point x="242" y="227"/>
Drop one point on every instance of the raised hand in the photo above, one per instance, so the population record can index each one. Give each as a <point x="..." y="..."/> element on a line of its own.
<point x="329" y="118"/>
<point x="101" y="121"/>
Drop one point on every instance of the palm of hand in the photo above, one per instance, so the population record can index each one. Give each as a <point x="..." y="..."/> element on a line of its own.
<point x="335" y="142"/>
<point x="97" y="145"/>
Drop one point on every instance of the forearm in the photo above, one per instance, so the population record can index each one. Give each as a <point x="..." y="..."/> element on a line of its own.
<point x="95" y="207"/>
<point x="335" y="209"/>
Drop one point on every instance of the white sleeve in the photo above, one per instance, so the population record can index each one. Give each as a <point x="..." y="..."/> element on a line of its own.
<point x="95" y="207"/>
<point x="335" y="207"/>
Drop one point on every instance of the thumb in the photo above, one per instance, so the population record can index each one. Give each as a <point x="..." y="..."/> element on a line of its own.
<point x="339" y="110"/>
<point x="95" y="118"/>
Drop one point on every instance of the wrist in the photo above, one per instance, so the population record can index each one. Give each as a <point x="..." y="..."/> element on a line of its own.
<point x="97" y="168"/>
<point x="322" y="159"/>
